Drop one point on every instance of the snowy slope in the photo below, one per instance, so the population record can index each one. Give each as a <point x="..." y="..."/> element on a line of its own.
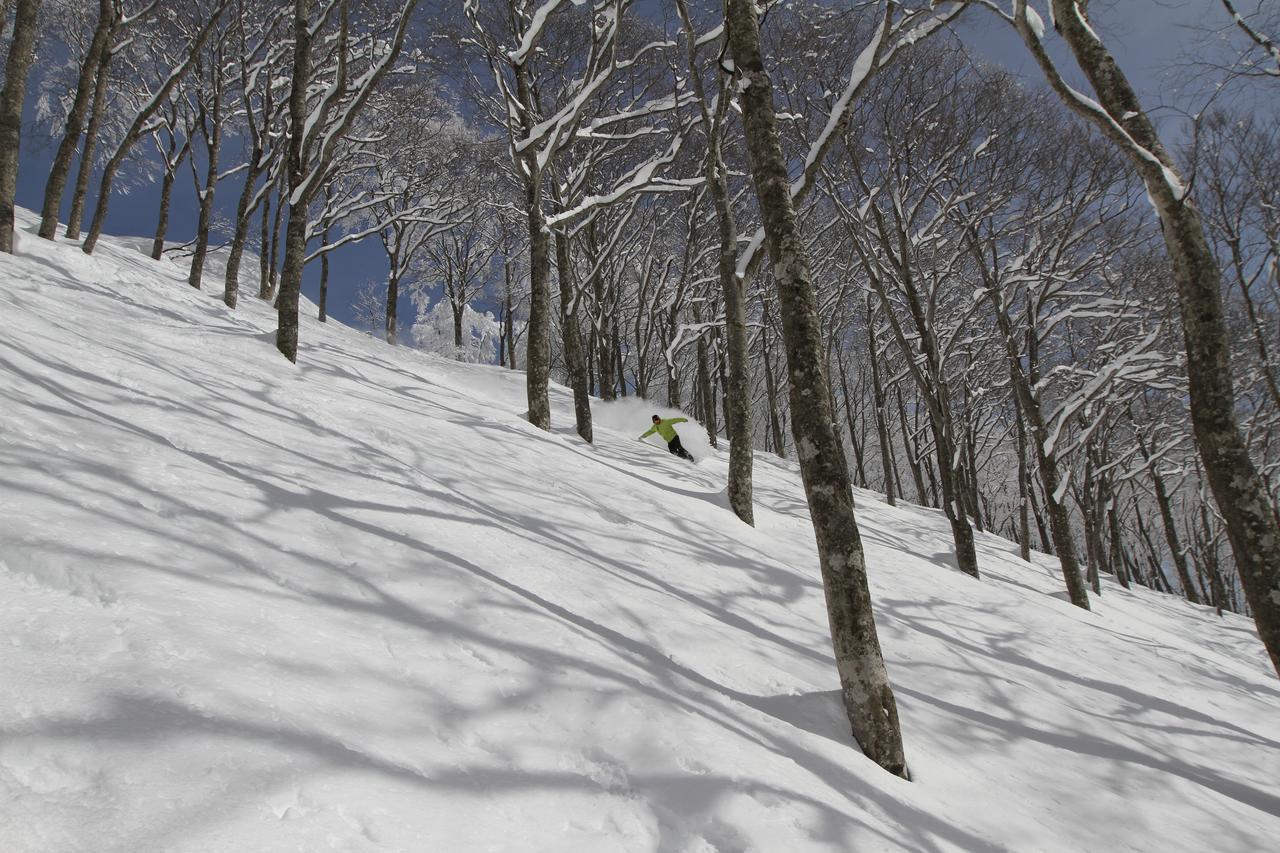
<point x="359" y="604"/>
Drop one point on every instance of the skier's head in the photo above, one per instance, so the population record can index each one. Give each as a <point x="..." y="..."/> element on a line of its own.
<point x="656" y="419"/>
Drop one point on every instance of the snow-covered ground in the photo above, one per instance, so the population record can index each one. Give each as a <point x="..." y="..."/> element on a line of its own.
<point x="359" y="604"/>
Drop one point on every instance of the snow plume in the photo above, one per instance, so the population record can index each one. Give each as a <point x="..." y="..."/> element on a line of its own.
<point x="633" y="415"/>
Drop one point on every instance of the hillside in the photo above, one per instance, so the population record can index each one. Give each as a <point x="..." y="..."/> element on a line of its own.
<point x="360" y="604"/>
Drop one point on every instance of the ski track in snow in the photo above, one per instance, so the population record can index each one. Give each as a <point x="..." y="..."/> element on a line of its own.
<point x="359" y="604"/>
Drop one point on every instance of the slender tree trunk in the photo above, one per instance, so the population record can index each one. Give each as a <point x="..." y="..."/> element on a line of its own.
<point x="295" y="239"/>
<point x="231" y="283"/>
<point x="277" y="231"/>
<point x="162" y="217"/>
<point x="12" y="98"/>
<point x="1024" y="500"/>
<point x="324" y="277"/>
<point x="97" y="112"/>
<point x="538" y="330"/>
<point x="61" y="167"/>
<point x="213" y="148"/>
<point x="1165" y="506"/>
<point x="391" y="324"/>
<point x="1042" y="527"/>
<point x="771" y="391"/>
<point x="913" y="456"/>
<point x="574" y="364"/>
<point x="882" y="426"/>
<point x="704" y="391"/>
<point x="868" y="698"/>
<point x="265" y="262"/>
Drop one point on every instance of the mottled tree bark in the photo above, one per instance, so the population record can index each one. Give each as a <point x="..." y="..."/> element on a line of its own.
<point x="868" y="698"/>
<point x="296" y="231"/>
<point x="12" y="97"/>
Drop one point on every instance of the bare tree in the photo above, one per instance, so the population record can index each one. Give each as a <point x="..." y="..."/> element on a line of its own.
<point x="864" y="682"/>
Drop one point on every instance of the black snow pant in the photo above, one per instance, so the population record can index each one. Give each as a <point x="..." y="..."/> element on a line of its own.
<point x="677" y="448"/>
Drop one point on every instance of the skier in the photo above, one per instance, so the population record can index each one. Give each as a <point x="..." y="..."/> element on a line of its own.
<point x="666" y="429"/>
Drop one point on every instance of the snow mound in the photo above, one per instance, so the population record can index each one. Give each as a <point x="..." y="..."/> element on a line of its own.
<point x="361" y="604"/>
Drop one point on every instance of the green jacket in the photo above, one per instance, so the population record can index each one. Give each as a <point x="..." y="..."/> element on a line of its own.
<point x="665" y="428"/>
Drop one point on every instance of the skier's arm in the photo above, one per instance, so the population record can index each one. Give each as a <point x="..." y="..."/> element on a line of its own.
<point x="678" y="421"/>
<point x="647" y="433"/>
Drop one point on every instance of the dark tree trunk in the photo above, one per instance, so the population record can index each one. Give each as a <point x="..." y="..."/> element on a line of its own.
<point x="882" y="426"/>
<point x="1170" y="527"/>
<point x="1024" y="499"/>
<point x="162" y="217"/>
<point x="868" y="698"/>
<point x="97" y="111"/>
<point x="235" y="253"/>
<point x="538" y="330"/>
<point x="913" y="455"/>
<point x="574" y="364"/>
<point x="212" y="136"/>
<point x="264" y="251"/>
<point x="12" y="97"/>
<point x="296" y="231"/>
<point x="705" y="394"/>
<point x="324" y="278"/>
<point x="771" y="391"/>
<point x="61" y="167"/>
<point x="391" y="327"/>
<point x="277" y="230"/>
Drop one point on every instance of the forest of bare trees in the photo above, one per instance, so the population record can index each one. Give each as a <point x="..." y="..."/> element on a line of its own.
<point x="828" y="231"/>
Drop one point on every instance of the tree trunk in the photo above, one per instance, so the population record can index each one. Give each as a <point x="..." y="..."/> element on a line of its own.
<point x="97" y="111"/>
<point x="882" y="426"/>
<point x="1170" y="528"/>
<point x="1024" y="500"/>
<point x="706" y="395"/>
<point x="162" y="217"/>
<point x="264" y="253"/>
<point x="295" y="240"/>
<point x="573" y="358"/>
<point x="61" y="167"/>
<point x="277" y="222"/>
<point x="538" y="330"/>
<point x="868" y="698"/>
<point x="213" y="147"/>
<point x="1239" y="491"/>
<point x="12" y="98"/>
<point x="231" y="283"/>
<point x="913" y="455"/>
<point x="391" y="324"/>
<point x="324" y="278"/>
<point x="771" y="390"/>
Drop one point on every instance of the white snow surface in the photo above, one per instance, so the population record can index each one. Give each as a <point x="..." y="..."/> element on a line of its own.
<point x="360" y="604"/>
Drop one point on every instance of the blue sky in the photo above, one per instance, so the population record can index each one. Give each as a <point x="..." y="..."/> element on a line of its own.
<point x="1147" y="36"/>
